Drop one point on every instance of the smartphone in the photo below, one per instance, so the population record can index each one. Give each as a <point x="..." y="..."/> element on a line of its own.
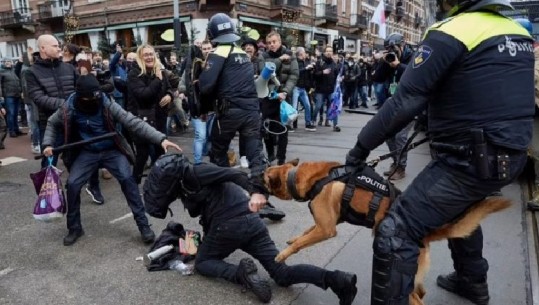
<point x="84" y="63"/>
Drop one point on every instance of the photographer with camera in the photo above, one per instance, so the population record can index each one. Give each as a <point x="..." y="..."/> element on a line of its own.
<point x="397" y="55"/>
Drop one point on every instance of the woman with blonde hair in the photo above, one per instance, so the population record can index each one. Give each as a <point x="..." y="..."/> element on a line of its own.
<point x="149" y="94"/>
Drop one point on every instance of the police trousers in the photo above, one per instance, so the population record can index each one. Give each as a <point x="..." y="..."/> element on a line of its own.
<point x="441" y="193"/>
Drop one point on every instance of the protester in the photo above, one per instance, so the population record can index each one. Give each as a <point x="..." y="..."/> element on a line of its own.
<point x="87" y="114"/>
<point x="227" y="214"/>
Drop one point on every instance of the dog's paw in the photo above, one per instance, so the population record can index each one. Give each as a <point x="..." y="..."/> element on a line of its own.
<point x="281" y="257"/>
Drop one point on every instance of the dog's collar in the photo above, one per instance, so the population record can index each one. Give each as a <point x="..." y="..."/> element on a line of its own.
<point x="291" y="185"/>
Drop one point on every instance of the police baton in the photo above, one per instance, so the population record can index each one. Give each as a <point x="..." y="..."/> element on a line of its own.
<point x="79" y="143"/>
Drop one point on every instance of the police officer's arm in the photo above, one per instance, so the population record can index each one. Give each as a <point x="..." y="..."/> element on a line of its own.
<point x="212" y="69"/>
<point x="419" y="82"/>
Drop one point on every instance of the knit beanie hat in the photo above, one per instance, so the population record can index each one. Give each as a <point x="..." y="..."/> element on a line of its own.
<point x="87" y="86"/>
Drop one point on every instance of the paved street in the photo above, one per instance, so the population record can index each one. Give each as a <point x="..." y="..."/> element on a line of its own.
<point x="101" y="268"/>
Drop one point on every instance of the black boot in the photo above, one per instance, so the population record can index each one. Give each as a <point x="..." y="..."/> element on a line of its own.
<point x="270" y="212"/>
<point x="475" y="291"/>
<point x="147" y="234"/>
<point x="344" y="286"/>
<point x="72" y="237"/>
<point x="247" y="276"/>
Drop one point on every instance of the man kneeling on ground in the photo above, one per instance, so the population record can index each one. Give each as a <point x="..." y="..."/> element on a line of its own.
<point x="230" y="222"/>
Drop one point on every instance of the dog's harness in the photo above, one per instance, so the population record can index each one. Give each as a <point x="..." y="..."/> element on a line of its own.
<point x="365" y="178"/>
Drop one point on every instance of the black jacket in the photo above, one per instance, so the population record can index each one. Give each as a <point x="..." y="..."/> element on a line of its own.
<point x="325" y="83"/>
<point x="305" y="79"/>
<point x="49" y="83"/>
<point x="144" y="94"/>
<point x="214" y="193"/>
<point x="9" y="83"/>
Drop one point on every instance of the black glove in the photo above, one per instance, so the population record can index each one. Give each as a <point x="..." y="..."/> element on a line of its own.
<point x="357" y="156"/>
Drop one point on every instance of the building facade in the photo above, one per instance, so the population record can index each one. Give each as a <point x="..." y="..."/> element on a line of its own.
<point x="100" y="23"/>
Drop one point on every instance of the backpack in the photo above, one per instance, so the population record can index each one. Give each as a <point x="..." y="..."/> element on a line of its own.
<point x="163" y="184"/>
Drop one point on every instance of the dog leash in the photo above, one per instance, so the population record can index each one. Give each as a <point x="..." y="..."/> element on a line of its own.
<point x="407" y="147"/>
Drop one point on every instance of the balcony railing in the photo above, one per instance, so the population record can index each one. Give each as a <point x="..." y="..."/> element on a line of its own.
<point x="358" y="21"/>
<point x="287" y="3"/>
<point x="16" y="17"/>
<point x="326" y="11"/>
<point x="53" y="9"/>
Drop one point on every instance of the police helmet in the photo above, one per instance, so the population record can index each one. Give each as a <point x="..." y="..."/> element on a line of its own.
<point x="525" y="23"/>
<point x="393" y="39"/>
<point x="459" y="6"/>
<point x="221" y="29"/>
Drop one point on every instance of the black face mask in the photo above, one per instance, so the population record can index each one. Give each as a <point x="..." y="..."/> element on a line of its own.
<point x="89" y="106"/>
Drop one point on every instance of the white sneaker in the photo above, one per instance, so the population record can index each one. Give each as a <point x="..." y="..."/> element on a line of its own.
<point x="36" y="149"/>
<point x="243" y="162"/>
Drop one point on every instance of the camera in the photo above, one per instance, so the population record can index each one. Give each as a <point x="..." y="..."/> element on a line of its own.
<point x="391" y="56"/>
<point x="392" y="51"/>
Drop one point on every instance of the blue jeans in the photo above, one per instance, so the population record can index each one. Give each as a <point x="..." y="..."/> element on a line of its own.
<point x="199" y="143"/>
<point x="380" y="93"/>
<point x="86" y="164"/>
<point x="301" y="94"/>
<point x="362" y="90"/>
<point x="320" y="98"/>
<point x="12" y="105"/>
<point x="249" y="234"/>
<point x="31" y="117"/>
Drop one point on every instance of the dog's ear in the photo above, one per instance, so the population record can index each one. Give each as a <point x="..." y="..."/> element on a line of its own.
<point x="294" y="162"/>
<point x="274" y="180"/>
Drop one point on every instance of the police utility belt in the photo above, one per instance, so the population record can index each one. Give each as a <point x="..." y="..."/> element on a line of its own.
<point x="479" y="153"/>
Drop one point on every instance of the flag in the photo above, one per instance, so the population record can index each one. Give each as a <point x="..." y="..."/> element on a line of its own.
<point x="379" y="17"/>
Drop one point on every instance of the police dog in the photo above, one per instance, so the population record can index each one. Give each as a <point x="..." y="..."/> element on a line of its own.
<point x="326" y="209"/>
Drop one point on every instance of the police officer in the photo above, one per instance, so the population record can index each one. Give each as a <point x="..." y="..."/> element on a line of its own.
<point x="228" y="78"/>
<point x="475" y="73"/>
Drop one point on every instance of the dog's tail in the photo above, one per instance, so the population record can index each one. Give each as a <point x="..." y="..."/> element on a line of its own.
<point x="464" y="226"/>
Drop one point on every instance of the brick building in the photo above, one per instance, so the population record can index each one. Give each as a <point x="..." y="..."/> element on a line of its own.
<point x="95" y="23"/>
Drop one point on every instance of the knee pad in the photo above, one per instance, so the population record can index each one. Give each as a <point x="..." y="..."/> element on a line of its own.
<point x="394" y="262"/>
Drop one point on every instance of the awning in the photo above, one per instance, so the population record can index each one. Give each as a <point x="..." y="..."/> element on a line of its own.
<point x="297" y="26"/>
<point x="146" y="23"/>
<point x="128" y="25"/>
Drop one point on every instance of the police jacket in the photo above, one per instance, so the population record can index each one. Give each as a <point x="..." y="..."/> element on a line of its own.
<point x="9" y="83"/>
<point x="49" y="83"/>
<point x="214" y="193"/>
<point x="228" y="75"/>
<point x="287" y="71"/>
<point x="325" y="83"/>
<point x="67" y="120"/>
<point x="474" y="70"/>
